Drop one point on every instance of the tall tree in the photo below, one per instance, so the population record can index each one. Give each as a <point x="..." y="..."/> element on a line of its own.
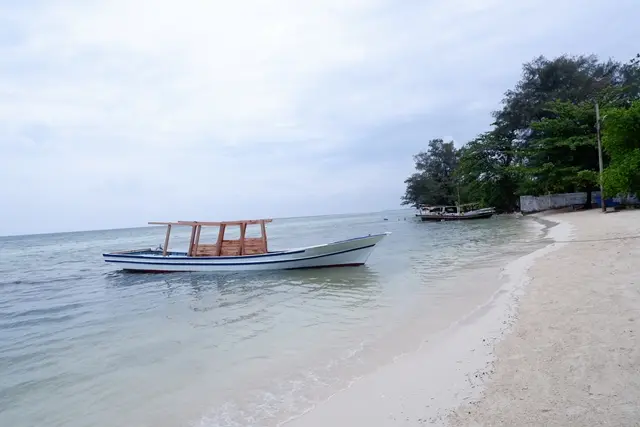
<point x="543" y="139"/>
<point x="551" y="114"/>
<point x="433" y="182"/>
<point x="562" y="152"/>
<point x="486" y="171"/>
<point x="621" y="140"/>
<point x="565" y="78"/>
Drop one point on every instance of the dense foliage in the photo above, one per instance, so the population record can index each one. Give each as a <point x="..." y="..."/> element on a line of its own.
<point x="433" y="181"/>
<point x="543" y="139"/>
<point x="487" y="172"/>
<point x="621" y="140"/>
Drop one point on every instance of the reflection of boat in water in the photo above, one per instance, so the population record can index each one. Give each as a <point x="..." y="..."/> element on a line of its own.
<point x="242" y="254"/>
<point x="454" y="213"/>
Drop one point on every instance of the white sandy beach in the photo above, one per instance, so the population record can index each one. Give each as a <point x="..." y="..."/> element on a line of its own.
<point x="557" y="345"/>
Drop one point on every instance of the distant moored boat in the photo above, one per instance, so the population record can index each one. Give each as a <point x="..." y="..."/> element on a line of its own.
<point x="454" y="213"/>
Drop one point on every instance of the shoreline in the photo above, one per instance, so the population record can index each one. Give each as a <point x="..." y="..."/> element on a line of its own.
<point x="572" y="357"/>
<point x="447" y="370"/>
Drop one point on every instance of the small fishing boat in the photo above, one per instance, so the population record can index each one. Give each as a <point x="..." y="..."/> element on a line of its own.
<point x="454" y="213"/>
<point x="241" y="254"/>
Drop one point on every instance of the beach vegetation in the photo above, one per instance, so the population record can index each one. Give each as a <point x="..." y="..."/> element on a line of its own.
<point x="433" y="181"/>
<point x="543" y="138"/>
<point x="621" y="140"/>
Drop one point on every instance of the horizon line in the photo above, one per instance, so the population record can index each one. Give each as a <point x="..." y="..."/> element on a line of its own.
<point x="150" y="226"/>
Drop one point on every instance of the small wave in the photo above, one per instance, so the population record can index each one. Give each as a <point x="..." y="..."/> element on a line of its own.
<point x="43" y="312"/>
<point x="35" y="321"/>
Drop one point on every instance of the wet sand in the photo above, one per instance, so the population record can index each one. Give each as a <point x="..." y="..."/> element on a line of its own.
<point x="556" y="345"/>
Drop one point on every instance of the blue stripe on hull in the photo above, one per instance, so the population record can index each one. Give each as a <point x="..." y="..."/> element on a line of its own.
<point x="236" y="263"/>
<point x="136" y="256"/>
<point x="359" y="264"/>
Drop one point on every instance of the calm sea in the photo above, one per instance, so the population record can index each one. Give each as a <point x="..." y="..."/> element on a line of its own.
<point x="82" y="344"/>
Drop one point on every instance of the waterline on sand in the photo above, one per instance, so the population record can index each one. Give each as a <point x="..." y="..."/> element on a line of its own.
<point x="83" y="345"/>
<point x="448" y="370"/>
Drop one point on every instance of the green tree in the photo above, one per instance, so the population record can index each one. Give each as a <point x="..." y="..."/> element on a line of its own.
<point x="573" y="79"/>
<point x="551" y="115"/>
<point x="543" y="138"/>
<point x="486" y="173"/>
<point x="562" y="154"/>
<point x="433" y="181"/>
<point x="621" y="140"/>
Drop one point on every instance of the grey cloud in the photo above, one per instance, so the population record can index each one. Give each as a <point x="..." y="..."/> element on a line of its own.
<point x="103" y="129"/>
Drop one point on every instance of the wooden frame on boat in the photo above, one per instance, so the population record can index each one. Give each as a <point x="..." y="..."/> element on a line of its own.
<point x="222" y="247"/>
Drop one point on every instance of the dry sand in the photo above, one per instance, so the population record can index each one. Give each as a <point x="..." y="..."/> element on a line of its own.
<point x="573" y="358"/>
<point x="570" y="356"/>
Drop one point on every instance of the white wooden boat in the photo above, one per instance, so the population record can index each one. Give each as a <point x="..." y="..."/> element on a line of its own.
<point x="454" y="213"/>
<point x="241" y="254"/>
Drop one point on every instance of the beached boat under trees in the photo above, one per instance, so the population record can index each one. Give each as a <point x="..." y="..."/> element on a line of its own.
<point x="454" y="213"/>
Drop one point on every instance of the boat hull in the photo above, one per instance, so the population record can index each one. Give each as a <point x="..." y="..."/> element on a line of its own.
<point x="484" y="215"/>
<point x="353" y="252"/>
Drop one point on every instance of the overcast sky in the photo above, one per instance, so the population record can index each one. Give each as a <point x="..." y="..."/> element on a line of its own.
<point x="117" y="112"/>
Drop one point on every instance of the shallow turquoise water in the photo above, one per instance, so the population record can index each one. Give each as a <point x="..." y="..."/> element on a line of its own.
<point x="82" y="344"/>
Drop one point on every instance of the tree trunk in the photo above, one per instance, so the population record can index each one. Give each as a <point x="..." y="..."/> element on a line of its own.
<point x="587" y="204"/>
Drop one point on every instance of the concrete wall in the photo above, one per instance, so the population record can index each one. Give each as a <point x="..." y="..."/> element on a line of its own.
<point x="530" y="204"/>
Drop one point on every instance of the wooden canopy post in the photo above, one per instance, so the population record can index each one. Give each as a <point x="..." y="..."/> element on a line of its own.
<point x="220" y="239"/>
<point x="166" y="240"/>
<point x="242" y="246"/>
<point x="197" y="241"/>
<point x="192" y="240"/>
<point x="243" y="230"/>
<point x="263" y="234"/>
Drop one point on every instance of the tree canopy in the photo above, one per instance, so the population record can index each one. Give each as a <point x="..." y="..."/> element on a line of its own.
<point x="486" y="172"/>
<point x="543" y="138"/>
<point x="621" y="140"/>
<point x="433" y="181"/>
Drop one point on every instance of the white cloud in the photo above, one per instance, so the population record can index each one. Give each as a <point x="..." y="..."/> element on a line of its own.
<point x="211" y="109"/>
